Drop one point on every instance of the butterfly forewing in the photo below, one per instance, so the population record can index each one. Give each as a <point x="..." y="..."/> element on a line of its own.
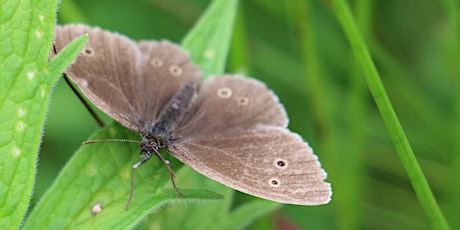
<point x="232" y="102"/>
<point x="107" y="71"/>
<point x="131" y="82"/>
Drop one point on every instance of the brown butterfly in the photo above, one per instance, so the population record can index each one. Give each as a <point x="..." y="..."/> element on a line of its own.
<point x="230" y="128"/>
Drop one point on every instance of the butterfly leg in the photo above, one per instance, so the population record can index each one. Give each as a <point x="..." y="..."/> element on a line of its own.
<point x="135" y="166"/>
<point x="80" y="97"/>
<point x="171" y="173"/>
<point x="145" y="159"/>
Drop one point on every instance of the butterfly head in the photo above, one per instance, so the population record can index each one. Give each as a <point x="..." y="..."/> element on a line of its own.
<point x="151" y="144"/>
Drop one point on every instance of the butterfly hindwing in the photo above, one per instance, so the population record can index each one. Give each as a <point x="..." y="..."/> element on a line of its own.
<point x="268" y="162"/>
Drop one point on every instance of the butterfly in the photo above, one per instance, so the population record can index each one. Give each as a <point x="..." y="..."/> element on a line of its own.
<point x="230" y="128"/>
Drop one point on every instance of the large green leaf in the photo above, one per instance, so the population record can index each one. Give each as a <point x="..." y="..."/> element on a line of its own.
<point x="26" y="34"/>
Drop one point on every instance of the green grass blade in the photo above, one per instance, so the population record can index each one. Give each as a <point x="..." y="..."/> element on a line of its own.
<point x="390" y="118"/>
<point x="455" y="14"/>
<point x="27" y="80"/>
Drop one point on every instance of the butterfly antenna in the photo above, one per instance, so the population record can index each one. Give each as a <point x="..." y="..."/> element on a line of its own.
<point x="80" y="97"/>
<point x="109" y="140"/>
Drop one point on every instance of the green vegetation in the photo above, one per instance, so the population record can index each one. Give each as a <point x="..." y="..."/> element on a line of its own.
<point x="373" y="87"/>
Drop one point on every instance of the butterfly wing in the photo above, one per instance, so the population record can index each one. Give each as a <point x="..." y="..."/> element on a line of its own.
<point x="106" y="71"/>
<point x="239" y="139"/>
<point x="119" y="76"/>
<point x="232" y="102"/>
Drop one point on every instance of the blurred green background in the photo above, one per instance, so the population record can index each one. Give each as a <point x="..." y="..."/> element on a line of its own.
<point x="299" y="49"/>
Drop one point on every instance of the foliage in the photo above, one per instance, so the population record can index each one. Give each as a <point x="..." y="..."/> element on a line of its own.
<point x="302" y="50"/>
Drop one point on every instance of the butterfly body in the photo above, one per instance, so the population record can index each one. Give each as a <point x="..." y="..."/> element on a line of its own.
<point x="230" y="128"/>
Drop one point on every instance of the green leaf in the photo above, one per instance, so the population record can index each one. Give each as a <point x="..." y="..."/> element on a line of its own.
<point x="26" y="35"/>
<point x="209" y="40"/>
<point x="216" y="215"/>
<point x="102" y="173"/>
